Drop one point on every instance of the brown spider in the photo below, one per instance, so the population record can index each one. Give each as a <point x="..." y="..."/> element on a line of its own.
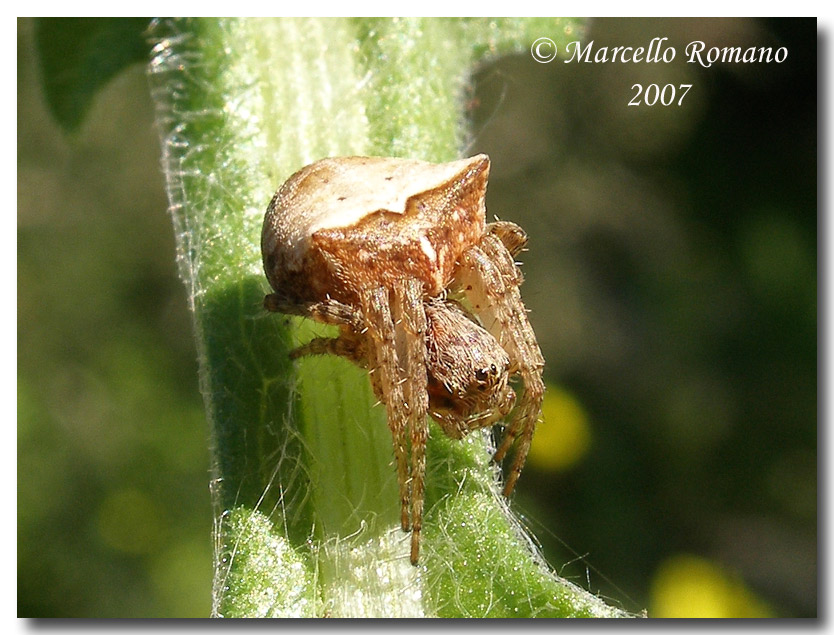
<point x="380" y="246"/>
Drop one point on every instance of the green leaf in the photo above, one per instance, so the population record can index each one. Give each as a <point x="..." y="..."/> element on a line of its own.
<point x="79" y="55"/>
<point x="303" y="475"/>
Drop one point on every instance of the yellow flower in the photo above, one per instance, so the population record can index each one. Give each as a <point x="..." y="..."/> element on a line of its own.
<point x="691" y="586"/>
<point x="563" y="436"/>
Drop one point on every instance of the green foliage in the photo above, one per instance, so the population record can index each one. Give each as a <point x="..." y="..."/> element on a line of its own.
<point x="79" y="55"/>
<point x="270" y="579"/>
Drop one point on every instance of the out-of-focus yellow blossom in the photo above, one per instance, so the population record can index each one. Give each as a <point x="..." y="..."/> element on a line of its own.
<point x="691" y="586"/>
<point x="563" y="436"/>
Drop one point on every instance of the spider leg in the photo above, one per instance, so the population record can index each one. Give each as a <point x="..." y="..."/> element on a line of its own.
<point x="410" y="315"/>
<point x="350" y="344"/>
<point x="346" y="345"/>
<point x="326" y="312"/>
<point x="375" y="303"/>
<point x="511" y="235"/>
<point x="490" y="279"/>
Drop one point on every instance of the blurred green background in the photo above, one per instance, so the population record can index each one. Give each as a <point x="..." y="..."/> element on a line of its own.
<point x="672" y="282"/>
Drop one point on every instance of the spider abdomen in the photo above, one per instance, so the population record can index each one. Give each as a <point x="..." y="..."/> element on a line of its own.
<point x="345" y="221"/>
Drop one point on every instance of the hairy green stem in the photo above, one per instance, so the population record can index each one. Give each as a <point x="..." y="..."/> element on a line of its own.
<point x="305" y="492"/>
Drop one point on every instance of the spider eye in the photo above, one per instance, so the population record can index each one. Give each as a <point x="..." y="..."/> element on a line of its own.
<point x="482" y="373"/>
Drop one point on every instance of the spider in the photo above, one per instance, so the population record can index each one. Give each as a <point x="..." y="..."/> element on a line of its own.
<point x="398" y="254"/>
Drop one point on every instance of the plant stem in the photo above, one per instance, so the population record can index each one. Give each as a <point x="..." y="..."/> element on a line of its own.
<point x="303" y="483"/>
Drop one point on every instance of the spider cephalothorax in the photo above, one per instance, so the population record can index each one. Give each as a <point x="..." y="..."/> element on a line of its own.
<point x="380" y="247"/>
